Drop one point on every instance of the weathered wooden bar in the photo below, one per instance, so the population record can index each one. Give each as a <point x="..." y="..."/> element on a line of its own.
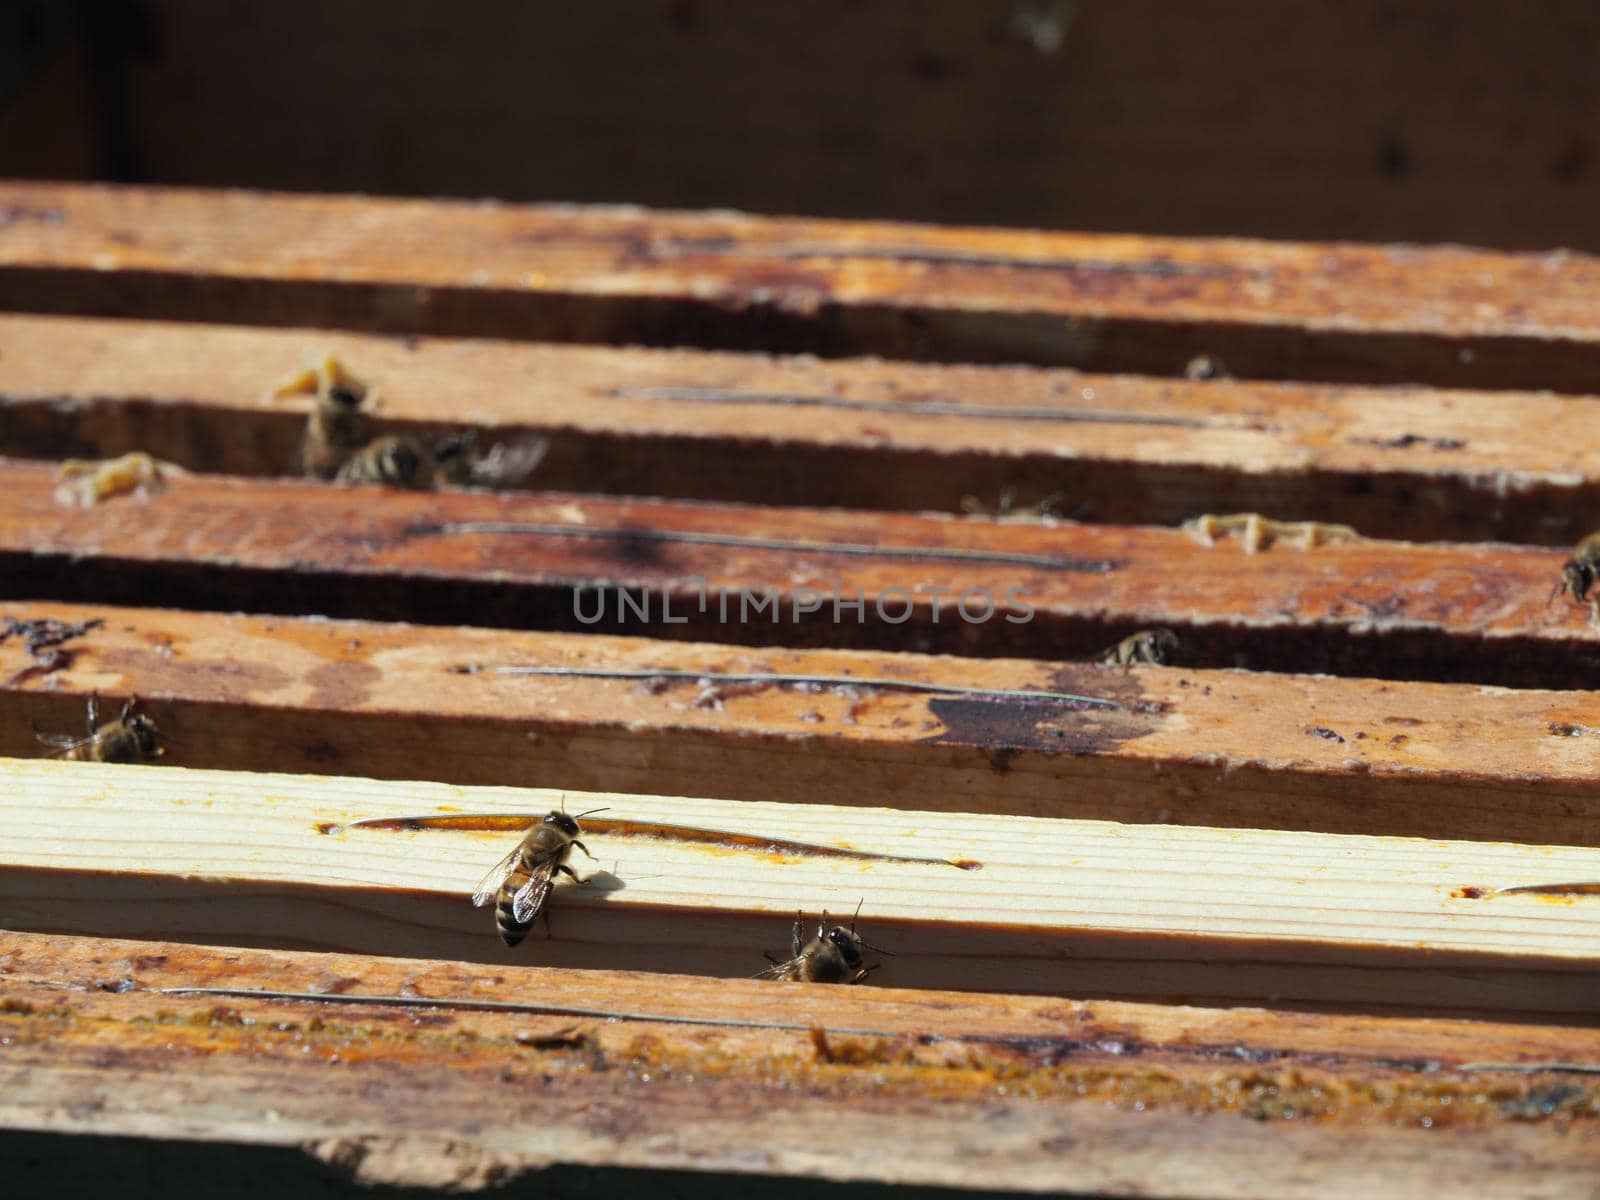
<point x="584" y="711"/>
<point x="1102" y="302"/>
<point x="770" y="576"/>
<point x="1394" y="462"/>
<point x="1068" y="1095"/>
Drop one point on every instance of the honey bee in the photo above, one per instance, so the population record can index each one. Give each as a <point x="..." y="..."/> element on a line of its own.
<point x="521" y="882"/>
<point x="335" y="429"/>
<point x="1046" y="509"/>
<point x="454" y="459"/>
<point x="1579" y="574"/>
<point x="1204" y="366"/>
<point x="131" y="738"/>
<point x="832" y="956"/>
<point x="1153" y="646"/>
<point x="83" y="483"/>
<point x="389" y="461"/>
<point x="333" y="433"/>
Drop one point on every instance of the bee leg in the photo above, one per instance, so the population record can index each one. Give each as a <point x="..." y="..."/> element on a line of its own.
<point x="94" y="714"/>
<point x="571" y="874"/>
<point x="582" y="847"/>
<point x="798" y="937"/>
<point x="1594" y="612"/>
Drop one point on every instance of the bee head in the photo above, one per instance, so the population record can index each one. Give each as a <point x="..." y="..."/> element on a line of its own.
<point x="399" y="461"/>
<point x="560" y="820"/>
<point x="1160" y="645"/>
<point x="1576" y="577"/>
<point x="145" y="733"/>
<point x="345" y="396"/>
<point x="847" y="944"/>
<point x="455" y="447"/>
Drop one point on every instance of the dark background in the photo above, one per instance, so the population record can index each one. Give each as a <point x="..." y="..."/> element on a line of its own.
<point x="1433" y="120"/>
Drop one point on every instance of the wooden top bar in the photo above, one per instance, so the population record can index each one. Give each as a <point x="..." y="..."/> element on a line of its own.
<point x="1394" y="462"/>
<point x="1435" y="611"/>
<point x="617" y="274"/>
<point x="1222" y="748"/>
<point x="1070" y="1095"/>
<point x="1053" y="907"/>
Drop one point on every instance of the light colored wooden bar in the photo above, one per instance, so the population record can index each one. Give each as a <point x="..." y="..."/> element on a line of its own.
<point x="1437" y="611"/>
<point x="618" y="274"/>
<point x="1071" y="1096"/>
<point x="1407" y="463"/>
<point x="1052" y="907"/>
<point x="1196" y="747"/>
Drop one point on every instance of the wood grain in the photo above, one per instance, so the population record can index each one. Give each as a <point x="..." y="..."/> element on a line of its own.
<point x="1197" y="747"/>
<point x="1056" y="907"/>
<point x="1443" y="612"/>
<point x="1394" y="462"/>
<point x="1070" y="1095"/>
<point x="1098" y="301"/>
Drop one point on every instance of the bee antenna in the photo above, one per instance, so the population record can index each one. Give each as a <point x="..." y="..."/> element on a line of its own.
<point x="856" y="915"/>
<point x="582" y="815"/>
<point x="877" y="949"/>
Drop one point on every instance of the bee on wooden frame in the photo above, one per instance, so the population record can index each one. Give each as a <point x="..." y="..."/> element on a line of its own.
<point x="1153" y="646"/>
<point x="387" y="461"/>
<point x="131" y="738"/>
<point x="335" y="428"/>
<point x="832" y="956"/>
<point x="455" y="457"/>
<point x="1044" y="510"/>
<point x="521" y="882"/>
<point x="332" y="434"/>
<point x="1579" y="574"/>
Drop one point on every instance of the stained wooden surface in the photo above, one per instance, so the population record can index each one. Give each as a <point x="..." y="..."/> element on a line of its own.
<point x="1098" y="301"/>
<point x="1440" y="611"/>
<point x="1058" y="907"/>
<point x="1394" y="462"/>
<point x="1069" y="1095"/>
<point x="1185" y="900"/>
<point x="1184" y="746"/>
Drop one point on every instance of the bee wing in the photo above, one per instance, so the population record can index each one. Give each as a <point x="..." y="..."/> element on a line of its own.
<point x="61" y="743"/>
<point x="788" y="969"/>
<point x="490" y="883"/>
<point x="528" y="899"/>
<point x="508" y="465"/>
